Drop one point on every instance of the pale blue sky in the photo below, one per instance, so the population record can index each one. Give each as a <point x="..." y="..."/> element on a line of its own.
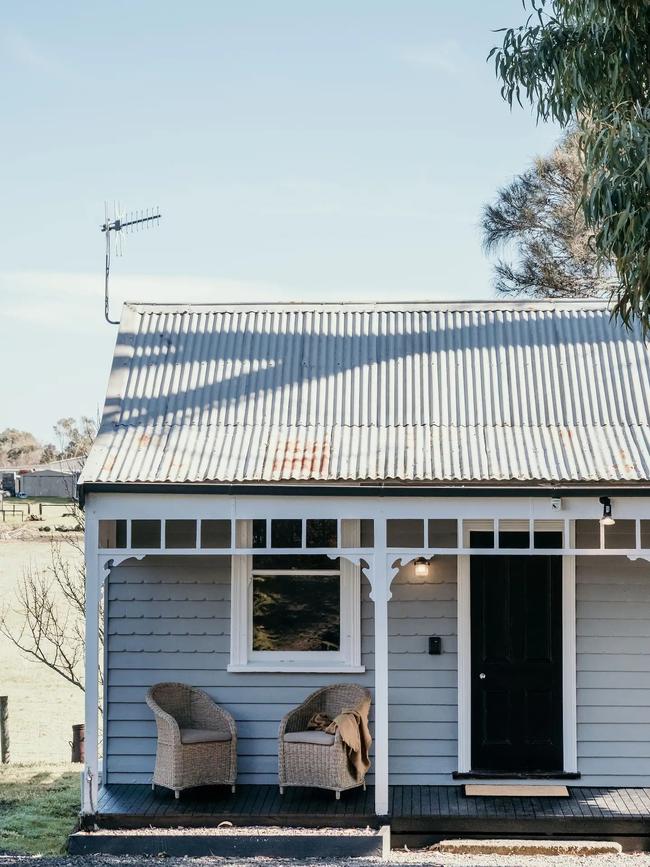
<point x="298" y="150"/>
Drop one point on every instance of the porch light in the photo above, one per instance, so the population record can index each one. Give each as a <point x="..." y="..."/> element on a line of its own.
<point x="421" y="567"/>
<point x="607" y="520"/>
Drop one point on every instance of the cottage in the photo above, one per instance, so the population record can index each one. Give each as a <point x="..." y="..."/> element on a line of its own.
<point x="447" y="503"/>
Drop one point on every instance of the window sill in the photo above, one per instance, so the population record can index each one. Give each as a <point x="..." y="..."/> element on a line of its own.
<point x="299" y="668"/>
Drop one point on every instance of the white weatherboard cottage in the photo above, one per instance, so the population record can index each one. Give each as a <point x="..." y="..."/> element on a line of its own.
<point x="413" y="497"/>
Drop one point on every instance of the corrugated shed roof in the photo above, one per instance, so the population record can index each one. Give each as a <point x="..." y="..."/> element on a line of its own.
<point x="65" y="465"/>
<point x="441" y="392"/>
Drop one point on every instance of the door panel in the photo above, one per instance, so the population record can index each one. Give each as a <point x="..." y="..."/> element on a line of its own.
<point x="516" y="611"/>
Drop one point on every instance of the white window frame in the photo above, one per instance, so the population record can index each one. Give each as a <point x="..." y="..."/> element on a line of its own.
<point x="242" y="656"/>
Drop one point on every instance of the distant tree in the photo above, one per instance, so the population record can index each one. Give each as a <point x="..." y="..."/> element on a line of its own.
<point x="49" y="453"/>
<point x="18" y="447"/>
<point x="50" y="608"/>
<point x="537" y="220"/>
<point x="74" y="437"/>
<point x="586" y="63"/>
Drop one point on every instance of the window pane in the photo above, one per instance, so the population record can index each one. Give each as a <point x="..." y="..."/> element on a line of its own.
<point x="549" y="539"/>
<point x="259" y="533"/>
<point x="296" y="612"/>
<point x="547" y="534"/>
<point x="286" y="533"/>
<point x="622" y="534"/>
<point x="215" y="534"/>
<point x="112" y="534"/>
<point x="295" y="561"/>
<point x="514" y="539"/>
<point x="481" y="539"/>
<point x="587" y="533"/>
<point x="367" y="526"/>
<point x="180" y="534"/>
<point x="321" y="533"/>
<point x="145" y="534"/>
<point x="404" y="533"/>
<point x="443" y="534"/>
<point x="357" y="533"/>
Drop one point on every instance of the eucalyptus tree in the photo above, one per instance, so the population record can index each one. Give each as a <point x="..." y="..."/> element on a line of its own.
<point x="587" y="63"/>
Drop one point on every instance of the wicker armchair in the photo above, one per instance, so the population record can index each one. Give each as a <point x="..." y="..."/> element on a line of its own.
<point x="197" y="739"/>
<point x="315" y="758"/>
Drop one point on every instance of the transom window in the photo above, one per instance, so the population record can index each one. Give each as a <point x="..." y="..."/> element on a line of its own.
<point x="187" y="534"/>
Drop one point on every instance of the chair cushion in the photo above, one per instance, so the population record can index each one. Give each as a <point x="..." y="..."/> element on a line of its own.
<point x="311" y="737"/>
<point x="203" y="736"/>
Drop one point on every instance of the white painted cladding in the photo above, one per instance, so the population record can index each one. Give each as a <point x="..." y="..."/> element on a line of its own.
<point x="492" y="391"/>
<point x="168" y="618"/>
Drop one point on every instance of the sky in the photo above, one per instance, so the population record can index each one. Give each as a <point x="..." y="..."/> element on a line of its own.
<point x="322" y="150"/>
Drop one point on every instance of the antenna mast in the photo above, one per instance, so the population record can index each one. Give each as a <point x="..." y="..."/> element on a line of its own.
<point x="133" y="222"/>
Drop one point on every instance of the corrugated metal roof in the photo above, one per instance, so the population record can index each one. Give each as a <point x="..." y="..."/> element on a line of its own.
<point x="441" y="392"/>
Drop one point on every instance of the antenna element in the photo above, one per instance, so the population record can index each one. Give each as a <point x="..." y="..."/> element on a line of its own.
<point x="132" y="222"/>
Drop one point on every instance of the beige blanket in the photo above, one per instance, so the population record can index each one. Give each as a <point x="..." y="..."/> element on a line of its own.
<point x="355" y="734"/>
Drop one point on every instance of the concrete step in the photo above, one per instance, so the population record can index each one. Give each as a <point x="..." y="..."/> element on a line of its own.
<point x="242" y="842"/>
<point x="528" y="847"/>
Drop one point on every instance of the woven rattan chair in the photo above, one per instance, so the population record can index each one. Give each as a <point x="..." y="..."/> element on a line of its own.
<point x="315" y="758"/>
<point x="197" y="739"/>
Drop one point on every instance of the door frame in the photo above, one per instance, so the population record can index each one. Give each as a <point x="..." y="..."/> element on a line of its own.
<point x="569" y="692"/>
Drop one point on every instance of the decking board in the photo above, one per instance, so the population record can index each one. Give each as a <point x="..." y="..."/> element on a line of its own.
<point x="414" y="810"/>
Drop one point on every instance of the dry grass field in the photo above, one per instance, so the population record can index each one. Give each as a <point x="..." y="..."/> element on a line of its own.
<point x="42" y="706"/>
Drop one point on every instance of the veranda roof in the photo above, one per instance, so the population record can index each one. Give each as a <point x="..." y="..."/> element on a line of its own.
<point x="440" y="393"/>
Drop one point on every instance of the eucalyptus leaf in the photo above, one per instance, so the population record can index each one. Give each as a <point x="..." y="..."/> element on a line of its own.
<point x="585" y="64"/>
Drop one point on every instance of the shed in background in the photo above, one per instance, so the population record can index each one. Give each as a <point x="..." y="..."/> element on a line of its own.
<point x="57" y="479"/>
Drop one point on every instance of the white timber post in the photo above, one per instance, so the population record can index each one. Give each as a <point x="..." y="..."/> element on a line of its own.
<point x="380" y="575"/>
<point x="569" y="651"/>
<point x="94" y="580"/>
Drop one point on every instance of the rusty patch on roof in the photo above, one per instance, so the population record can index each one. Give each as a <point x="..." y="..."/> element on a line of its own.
<point x="298" y="459"/>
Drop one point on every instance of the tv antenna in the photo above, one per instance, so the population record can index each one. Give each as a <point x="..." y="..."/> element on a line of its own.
<point x="113" y="226"/>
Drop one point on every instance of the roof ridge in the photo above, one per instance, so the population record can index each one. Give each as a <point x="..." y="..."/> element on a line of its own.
<point x="447" y="305"/>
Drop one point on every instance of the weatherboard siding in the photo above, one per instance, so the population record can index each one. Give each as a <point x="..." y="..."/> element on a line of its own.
<point x="423" y="689"/>
<point x="169" y="619"/>
<point x="613" y="670"/>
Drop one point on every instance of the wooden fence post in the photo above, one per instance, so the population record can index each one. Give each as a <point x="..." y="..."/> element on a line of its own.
<point x="4" y="729"/>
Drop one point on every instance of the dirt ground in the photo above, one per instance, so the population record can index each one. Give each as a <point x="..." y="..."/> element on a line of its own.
<point x="42" y="706"/>
<point x="34" y="518"/>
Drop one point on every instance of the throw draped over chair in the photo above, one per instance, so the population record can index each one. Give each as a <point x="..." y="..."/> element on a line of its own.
<point x="197" y="739"/>
<point x="316" y="758"/>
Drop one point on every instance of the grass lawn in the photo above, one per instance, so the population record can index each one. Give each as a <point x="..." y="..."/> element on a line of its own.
<point x="39" y="805"/>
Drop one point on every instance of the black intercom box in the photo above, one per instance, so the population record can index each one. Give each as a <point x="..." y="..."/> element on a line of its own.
<point x="435" y="645"/>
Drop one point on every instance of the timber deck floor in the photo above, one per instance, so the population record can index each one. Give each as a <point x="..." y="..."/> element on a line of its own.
<point x="429" y="812"/>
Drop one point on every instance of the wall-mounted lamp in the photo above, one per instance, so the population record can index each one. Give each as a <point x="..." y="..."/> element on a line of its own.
<point x="421" y="567"/>
<point x="607" y="520"/>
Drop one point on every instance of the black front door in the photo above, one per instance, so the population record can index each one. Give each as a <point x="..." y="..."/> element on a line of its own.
<point x="516" y="611"/>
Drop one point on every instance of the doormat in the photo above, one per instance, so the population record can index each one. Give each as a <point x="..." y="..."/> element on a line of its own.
<point x="486" y="790"/>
